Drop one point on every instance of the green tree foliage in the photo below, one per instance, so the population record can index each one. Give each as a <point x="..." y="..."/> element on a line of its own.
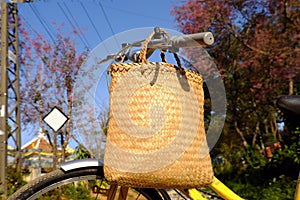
<point x="81" y="153"/>
<point x="14" y="180"/>
<point x="75" y="191"/>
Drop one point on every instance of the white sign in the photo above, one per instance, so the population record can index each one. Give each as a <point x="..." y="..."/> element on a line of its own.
<point x="55" y="119"/>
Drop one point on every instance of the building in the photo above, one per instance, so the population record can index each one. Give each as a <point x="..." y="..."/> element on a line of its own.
<point x="37" y="155"/>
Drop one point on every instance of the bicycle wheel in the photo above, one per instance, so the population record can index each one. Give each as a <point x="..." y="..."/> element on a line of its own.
<point x="83" y="183"/>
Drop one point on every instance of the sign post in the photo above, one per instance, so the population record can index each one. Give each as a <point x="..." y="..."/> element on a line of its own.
<point x="55" y="119"/>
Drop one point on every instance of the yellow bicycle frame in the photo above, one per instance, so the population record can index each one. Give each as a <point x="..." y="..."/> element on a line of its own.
<point x="219" y="188"/>
<point x="297" y="192"/>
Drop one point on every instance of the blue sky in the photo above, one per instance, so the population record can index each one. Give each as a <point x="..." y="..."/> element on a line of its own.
<point x="104" y="22"/>
<point x="99" y="20"/>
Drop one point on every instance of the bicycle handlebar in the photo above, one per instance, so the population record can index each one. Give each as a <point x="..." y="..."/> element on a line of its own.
<point x="160" y="41"/>
<point x="204" y="38"/>
<point x="189" y="40"/>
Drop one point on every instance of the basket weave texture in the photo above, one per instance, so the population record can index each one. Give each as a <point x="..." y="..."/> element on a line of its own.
<point x="156" y="136"/>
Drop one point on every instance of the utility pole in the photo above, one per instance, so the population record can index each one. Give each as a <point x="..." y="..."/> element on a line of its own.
<point x="3" y="100"/>
<point x="10" y="125"/>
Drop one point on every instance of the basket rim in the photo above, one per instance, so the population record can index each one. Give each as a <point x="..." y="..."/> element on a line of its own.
<point x="128" y="66"/>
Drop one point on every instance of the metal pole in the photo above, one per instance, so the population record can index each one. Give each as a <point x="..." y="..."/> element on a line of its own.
<point x="14" y="82"/>
<point x="3" y="100"/>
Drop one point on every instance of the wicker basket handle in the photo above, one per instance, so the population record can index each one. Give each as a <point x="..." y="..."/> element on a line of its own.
<point x="143" y="53"/>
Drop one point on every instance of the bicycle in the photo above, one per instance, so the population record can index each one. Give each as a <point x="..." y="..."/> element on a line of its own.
<point x="89" y="172"/>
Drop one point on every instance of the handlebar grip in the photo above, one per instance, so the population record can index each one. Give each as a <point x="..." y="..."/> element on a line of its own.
<point x="190" y="40"/>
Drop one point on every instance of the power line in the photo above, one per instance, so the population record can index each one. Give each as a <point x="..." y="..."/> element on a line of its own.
<point x="45" y="22"/>
<point x="90" y="19"/>
<point x="27" y="78"/>
<point x="28" y="24"/>
<point x="42" y="21"/>
<point x="83" y="40"/>
<point x="76" y="24"/>
<point x="136" y="13"/>
<point x="108" y="22"/>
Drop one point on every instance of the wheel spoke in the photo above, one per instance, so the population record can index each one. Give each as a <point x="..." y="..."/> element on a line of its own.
<point x="86" y="183"/>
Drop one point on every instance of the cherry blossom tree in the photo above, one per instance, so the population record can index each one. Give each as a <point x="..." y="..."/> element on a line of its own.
<point x="48" y="70"/>
<point x="257" y="52"/>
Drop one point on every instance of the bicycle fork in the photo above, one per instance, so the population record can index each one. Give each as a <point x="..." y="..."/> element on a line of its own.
<point x="113" y="190"/>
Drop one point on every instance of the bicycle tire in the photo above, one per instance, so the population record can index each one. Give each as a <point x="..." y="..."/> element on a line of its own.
<point x="58" y="178"/>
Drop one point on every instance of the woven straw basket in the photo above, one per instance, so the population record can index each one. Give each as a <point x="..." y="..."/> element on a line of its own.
<point x="156" y="136"/>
